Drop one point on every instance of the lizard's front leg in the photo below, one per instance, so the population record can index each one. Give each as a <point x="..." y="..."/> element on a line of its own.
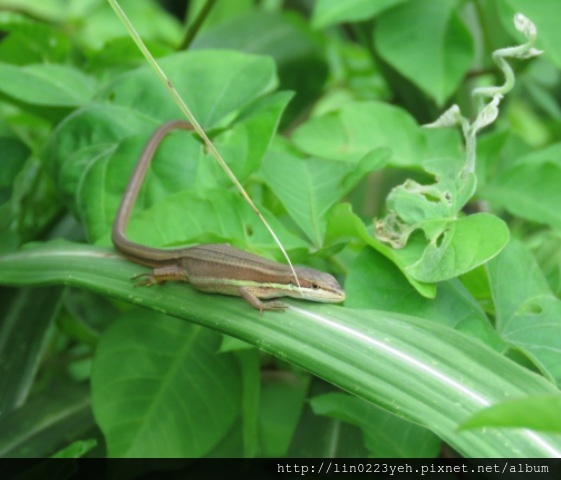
<point x="258" y="304"/>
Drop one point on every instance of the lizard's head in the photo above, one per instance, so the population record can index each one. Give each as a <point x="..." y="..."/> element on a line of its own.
<point x="317" y="286"/>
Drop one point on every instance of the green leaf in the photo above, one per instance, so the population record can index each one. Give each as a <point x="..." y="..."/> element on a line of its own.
<point x="385" y="435"/>
<point x="464" y="244"/>
<point x="46" y="85"/>
<point x="431" y="208"/>
<point x="403" y="364"/>
<point x="172" y="397"/>
<point x="321" y="184"/>
<point x="426" y="42"/>
<point x="452" y="246"/>
<point x="329" y="12"/>
<point x="285" y="38"/>
<point x="214" y="83"/>
<point x="529" y="188"/>
<point x="538" y="412"/>
<point x="528" y="314"/>
<point x="360" y="128"/>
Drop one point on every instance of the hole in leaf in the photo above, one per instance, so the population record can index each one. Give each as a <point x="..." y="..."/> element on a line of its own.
<point x="431" y="198"/>
<point x="440" y="239"/>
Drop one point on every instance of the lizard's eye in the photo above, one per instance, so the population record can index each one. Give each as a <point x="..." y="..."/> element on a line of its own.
<point x="315" y="286"/>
